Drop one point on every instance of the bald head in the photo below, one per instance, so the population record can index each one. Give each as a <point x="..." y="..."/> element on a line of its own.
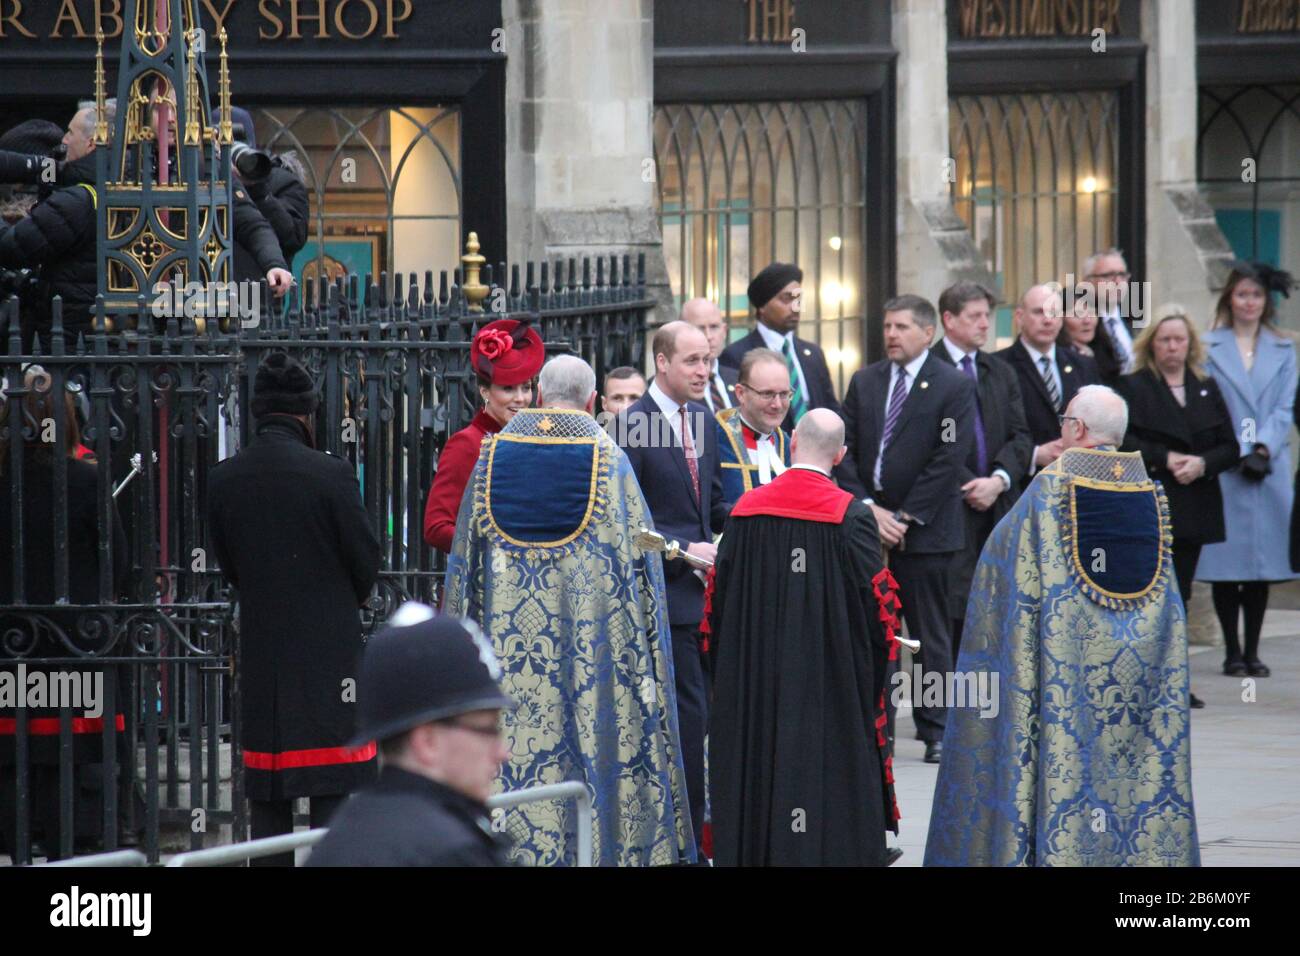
<point x="707" y="317"/>
<point x="818" y="440"/>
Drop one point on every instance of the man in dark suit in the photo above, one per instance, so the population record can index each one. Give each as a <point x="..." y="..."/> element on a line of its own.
<point x="777" y="297"/>
<point x="909" y="429"/>
<point x="1049" y="374"/>
<point x="720" y="393"/>
<point x="1107" y="276"/>
<point x="672" y="444"/>
<point x="999" y="455"/>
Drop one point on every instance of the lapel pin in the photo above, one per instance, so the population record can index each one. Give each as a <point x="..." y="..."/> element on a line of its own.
<point x="1204" y="392"/>
<point x="925" y="384"/>
<point x="1068" y="370"/>
<point x="807" y="351"/>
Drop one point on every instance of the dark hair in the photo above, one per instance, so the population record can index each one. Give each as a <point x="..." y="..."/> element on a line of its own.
<point x="921" y="309"/>
<point x="954" y="298"/>
<point x="1262" y="274"/>
<point x="39" y="405"/>
<point x="620" y="373"/>
<point x="390" y="748"/>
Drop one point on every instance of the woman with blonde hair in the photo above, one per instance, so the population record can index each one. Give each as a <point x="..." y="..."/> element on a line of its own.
<point x="1255" y="367"/>
<point x="1179" y="421"/>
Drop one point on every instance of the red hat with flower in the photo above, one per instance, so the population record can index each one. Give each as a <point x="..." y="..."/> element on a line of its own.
<point x="507" y="351"/>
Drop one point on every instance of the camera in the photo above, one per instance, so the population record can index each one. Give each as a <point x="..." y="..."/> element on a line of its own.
<point x="253" y="165"/>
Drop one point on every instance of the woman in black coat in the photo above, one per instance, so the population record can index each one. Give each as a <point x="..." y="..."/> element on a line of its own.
<point x="1079" y="332"/>
<point x="1178" y="420"/>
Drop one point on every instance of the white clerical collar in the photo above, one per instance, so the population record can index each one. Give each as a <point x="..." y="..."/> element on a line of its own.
<point x="775" y="340"/>
<point x="804" y="467"/>
<point x="668" y="406"/>
<point x="745" y="421"/>
<point x="1037" y="355"/>
<point x="955" y="353"/>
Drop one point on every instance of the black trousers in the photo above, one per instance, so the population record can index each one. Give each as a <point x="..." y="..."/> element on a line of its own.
<point x="692" y="716"/>
<point x="1186" y="554"/>
<point x="270" y="818"/>
<point x="923" y="589"/>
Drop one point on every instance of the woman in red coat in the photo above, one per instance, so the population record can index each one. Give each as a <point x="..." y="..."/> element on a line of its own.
<point x="506" y="356"/>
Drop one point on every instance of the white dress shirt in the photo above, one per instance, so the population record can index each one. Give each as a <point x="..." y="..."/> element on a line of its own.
<point x="1036" y="356"/>
<point x="909" y="371"/>
<point x="716" y="379"/>
<point x="672" y="410"/>
<point x="776" y="342"/>
<point x="957" y="354"/>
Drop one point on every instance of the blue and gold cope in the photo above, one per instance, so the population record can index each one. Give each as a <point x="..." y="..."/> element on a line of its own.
<point x="739" y="474"/>
<point x="1087" y="761"/>
<point x="544" y="561"/>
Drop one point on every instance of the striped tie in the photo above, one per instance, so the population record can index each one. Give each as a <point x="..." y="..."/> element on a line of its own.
<point x="1049" y="380"/>
<point x="895" y="408"/>
<point x="716" y="402"/>
<point x="797" y="405"/>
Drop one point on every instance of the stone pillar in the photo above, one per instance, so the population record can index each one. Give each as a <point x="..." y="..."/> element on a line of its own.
<point x="935" y="248"/>
<point x="579" y="126"/>
<point x="1187" y="254"/>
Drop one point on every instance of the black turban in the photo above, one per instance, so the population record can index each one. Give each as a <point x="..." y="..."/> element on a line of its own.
<point x="764" y="286"/>
<point x="283" y="387"/>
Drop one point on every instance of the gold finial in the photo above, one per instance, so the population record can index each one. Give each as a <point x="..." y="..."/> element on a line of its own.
<point x="101" y="108"/>
<point x="193" y="130"/>
<point x="474" y="290"/>
<point x="227" y="128"/>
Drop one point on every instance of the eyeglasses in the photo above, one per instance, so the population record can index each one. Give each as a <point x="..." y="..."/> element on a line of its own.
<point x="769" y="397"/>
<point x="1120" y="274"/>
<point x="1062" y="419"/>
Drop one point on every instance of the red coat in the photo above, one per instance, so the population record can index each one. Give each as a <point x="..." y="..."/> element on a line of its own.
<point x="455" y="465"/>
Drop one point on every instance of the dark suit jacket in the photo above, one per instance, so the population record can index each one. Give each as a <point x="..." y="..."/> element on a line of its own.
<point x="1103" y="355"/>
<point x="1006" y="432"/>
<point x="921" y="471"/>
<point x="821" y="391"/>
<point x="729" y="378"/>
<point x="1076" y="371"/>
<point x="1157" y="425"/>
<point x="665" y="481"/>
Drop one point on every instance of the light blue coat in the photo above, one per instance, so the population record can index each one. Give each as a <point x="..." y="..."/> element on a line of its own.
<point x="1257" y="514"/>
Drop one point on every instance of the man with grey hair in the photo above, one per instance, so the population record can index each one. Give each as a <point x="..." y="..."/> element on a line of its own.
<point x="545" y="562"/>
<point x="1108" y="274"/>
<point x="798" y="759"/>
<point x="1074" y="614"/>
<point x="567" y="382"/>
<point x="1097" y="418"/>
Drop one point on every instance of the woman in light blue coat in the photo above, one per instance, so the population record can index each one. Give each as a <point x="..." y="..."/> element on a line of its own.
<point x="1255" y="368"/>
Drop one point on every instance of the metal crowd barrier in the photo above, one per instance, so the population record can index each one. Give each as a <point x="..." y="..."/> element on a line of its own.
<point x="115" y="858"/>
<point x="270" y="846"/>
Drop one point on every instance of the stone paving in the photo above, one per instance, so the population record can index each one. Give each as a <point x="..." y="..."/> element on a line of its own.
<point x="1245" y="759"/>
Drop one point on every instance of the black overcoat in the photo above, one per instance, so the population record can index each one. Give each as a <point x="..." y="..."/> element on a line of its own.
<point x="291" y="534"/>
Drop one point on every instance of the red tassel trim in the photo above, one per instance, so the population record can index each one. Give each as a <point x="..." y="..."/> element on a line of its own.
<point x="886" y="591"/>
<point x="705" y="627"/>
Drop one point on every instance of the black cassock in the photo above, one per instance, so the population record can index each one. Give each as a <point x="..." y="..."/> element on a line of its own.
<point x="798" y="774"/>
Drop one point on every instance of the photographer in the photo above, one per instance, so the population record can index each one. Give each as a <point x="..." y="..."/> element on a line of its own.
<point x="27" y="152"/>
<point x="275" y="185"/>
<point x="59" y="238"/>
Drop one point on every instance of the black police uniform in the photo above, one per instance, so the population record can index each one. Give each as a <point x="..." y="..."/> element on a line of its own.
<point x="409" y="820"/>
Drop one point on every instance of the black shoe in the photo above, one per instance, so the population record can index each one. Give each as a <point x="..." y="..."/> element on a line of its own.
<point x="1194" y="702"/>
<point x="933" y="751"/>
<point x="893" y="855"/>
<point x="1234" y="667"/>
<point x="1257" y="668"/>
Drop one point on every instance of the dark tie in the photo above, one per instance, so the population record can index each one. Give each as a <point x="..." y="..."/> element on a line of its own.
<point x="1049" y="380"/>
<point x="688" y="445"/>
<point x="895" y="407"/>
<point x="981" y="449"/>
<point x="716" y="401"/>
<point x="797" y="405"/>
<point x="1120" y="351"/>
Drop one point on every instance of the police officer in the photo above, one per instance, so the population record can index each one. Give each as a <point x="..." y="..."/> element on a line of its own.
<point x="428" y="693"/>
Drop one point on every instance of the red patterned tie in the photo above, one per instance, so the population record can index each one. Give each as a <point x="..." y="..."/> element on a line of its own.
<point x="688" y="445"/>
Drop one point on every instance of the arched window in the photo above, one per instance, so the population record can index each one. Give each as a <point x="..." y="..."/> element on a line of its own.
<point x="384" y="185"/>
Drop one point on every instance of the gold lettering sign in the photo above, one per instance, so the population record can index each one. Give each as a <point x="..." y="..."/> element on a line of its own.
<point x="1268" y="16"/>
<point x="1004" y="19"/>
<point x="277" y="19"/>
<point x="770" y="21"/>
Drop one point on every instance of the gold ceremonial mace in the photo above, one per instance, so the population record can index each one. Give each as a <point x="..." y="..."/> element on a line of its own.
<point x="648" y="540"/>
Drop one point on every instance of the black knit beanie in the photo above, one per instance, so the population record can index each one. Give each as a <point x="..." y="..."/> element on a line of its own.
<point x="283" y="387"/>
